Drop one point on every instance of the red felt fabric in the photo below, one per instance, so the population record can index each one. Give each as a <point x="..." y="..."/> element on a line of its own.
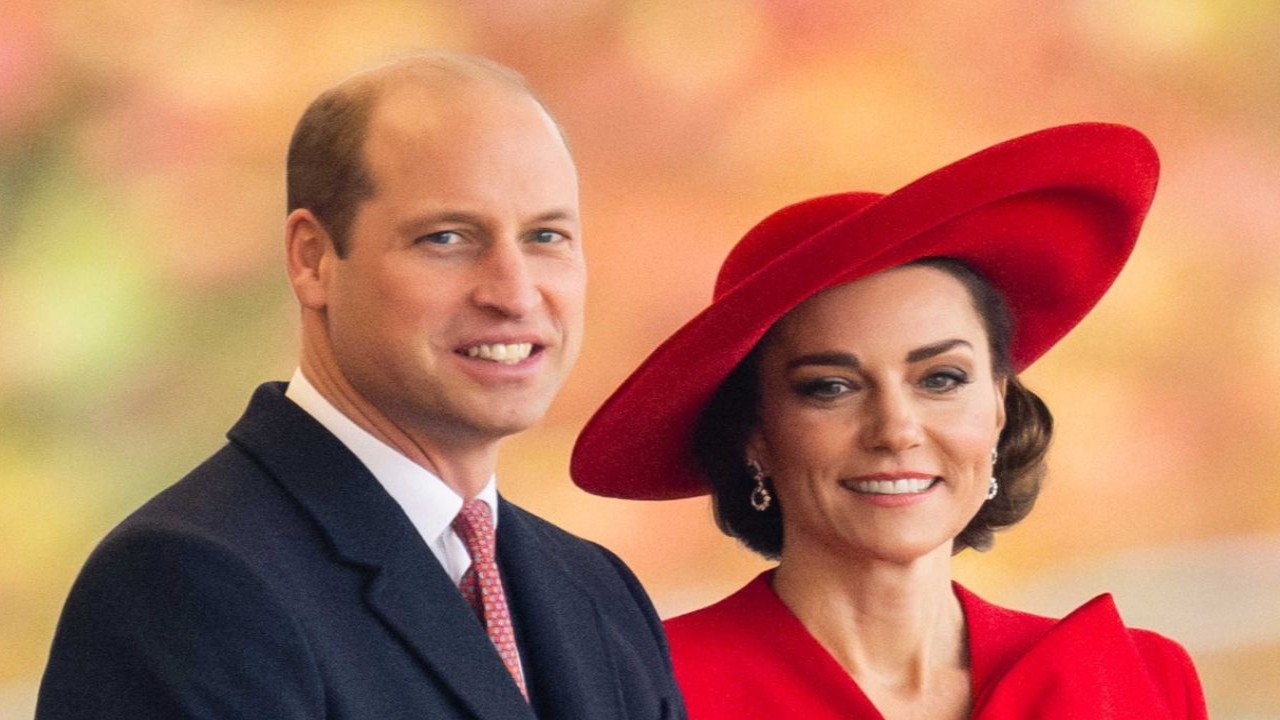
<point x="748" y="657"/>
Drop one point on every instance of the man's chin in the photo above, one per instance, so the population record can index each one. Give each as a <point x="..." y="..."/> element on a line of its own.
<point x="512" y="424"/>
<point x="500" y="420"/>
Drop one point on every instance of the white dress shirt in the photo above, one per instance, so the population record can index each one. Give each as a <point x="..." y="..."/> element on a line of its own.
<point x="430" y="504"/>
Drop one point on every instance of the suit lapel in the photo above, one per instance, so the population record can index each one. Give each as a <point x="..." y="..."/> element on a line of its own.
<point x="571" y="670"/>
<point x="407" y="588"/>
<point x="417" y="599"/>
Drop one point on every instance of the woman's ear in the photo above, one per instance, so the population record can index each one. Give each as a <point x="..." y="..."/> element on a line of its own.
<point x="756" y="449"/>
<point x="1002" y="388"/>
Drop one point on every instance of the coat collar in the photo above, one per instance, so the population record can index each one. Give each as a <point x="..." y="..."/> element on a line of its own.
<point x="1023" y="666"/>
<point x="1084" y="665"/>
<point x="406" y="586"/>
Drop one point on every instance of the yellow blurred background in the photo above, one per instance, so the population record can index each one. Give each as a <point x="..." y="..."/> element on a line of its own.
<point x="142" y="295"/>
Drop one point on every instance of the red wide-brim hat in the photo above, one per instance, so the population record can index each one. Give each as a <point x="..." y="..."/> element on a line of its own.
<point x="1048" y="218"/>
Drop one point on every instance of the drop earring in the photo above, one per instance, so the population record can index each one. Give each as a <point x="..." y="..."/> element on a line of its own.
<point x="761" y="499"/>
<point x="994" y="488"/>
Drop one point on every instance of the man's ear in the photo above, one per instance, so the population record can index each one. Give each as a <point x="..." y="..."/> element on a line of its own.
<point x="309" y="251"/>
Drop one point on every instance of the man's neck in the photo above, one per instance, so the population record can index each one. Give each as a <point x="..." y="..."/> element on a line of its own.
<point x="464" y="468"/>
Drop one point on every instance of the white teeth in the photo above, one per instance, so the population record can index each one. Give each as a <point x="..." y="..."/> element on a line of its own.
<point x="507" y="354"/>
<point x="903" y="486"/>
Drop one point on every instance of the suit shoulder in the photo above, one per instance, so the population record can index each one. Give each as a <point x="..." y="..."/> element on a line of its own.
<point x="225" y="519"/>
<point x="156" y="616"/>
<point x="597" y="570"/>
<point x="228" y="496"/>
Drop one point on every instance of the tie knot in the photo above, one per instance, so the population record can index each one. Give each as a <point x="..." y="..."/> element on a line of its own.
<point x="474" y="525"/>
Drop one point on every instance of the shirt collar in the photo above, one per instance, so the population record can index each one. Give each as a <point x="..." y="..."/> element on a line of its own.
<point x="430" y="504"/>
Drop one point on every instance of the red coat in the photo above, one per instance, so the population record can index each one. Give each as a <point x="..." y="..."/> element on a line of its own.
<point x="748" y="657"/>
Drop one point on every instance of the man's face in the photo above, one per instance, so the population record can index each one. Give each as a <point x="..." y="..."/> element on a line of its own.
<point x="457" y="312"/>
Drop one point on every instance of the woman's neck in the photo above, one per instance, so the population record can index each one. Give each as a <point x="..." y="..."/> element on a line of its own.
<point x="898" y="629"/>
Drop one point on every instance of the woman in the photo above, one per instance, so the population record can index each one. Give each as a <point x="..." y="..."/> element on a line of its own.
<point x="851" y="400"/>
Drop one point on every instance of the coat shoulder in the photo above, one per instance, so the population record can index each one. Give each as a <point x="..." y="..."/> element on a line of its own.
<point x="1172" y="669"/>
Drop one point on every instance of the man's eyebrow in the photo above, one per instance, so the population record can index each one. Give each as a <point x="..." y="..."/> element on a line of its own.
<point x="936" y="349"/>
<point x="560" y="215"/>
<point x="454" y="216"/>
<point x="416" y="223"/>
<point x="474" y="220"/>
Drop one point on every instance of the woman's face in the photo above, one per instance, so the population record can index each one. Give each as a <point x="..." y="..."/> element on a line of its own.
<point x="878" y="414"/>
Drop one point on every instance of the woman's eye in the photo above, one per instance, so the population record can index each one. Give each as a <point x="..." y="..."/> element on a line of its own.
<point x="444" y="237"/>
<point x="825" y="388"/>
<point x="944" y="381"/>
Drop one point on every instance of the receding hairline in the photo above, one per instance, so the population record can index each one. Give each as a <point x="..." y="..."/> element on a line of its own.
<point x="326" y="170"/>
<point x="442" y="70"/>
<point x="438" y="63"/>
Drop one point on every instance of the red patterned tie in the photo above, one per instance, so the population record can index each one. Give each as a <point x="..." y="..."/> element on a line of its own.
<point x="482" y="587"/>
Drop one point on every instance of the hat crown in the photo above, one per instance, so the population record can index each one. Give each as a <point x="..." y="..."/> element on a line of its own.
<point x="781" y="231"/>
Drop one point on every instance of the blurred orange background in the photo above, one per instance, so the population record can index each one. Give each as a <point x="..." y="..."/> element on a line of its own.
<point x="143" y="296"/>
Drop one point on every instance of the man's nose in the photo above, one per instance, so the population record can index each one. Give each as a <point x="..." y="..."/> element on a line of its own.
<point x="505" y="282"/>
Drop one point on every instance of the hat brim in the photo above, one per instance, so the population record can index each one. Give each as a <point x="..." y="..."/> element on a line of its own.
<point x="1049" y="218"/>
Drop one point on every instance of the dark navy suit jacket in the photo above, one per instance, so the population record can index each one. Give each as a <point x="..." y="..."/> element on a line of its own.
<point x="279" y="580"/>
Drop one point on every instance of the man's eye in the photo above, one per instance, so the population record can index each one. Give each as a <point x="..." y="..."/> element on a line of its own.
<point x="444" y="237"/>
<point x="546" y="237"/>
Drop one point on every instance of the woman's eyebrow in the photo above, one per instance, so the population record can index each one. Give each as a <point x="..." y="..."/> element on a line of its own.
<point x="935" y="349"/>
<point x="849" y="360"/>
<point x="840" y="359"/>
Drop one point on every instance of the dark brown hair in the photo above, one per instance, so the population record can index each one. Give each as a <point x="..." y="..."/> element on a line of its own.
<point x="720" y="437"/>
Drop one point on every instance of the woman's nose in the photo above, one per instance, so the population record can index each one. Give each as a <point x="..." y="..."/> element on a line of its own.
<point x="891" y="422"/>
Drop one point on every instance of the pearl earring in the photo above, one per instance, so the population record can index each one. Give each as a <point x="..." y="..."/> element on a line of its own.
<point x="994" y="488"/>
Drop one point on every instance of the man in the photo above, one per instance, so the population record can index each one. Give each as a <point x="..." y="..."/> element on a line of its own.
<point x="312" y="567"/>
